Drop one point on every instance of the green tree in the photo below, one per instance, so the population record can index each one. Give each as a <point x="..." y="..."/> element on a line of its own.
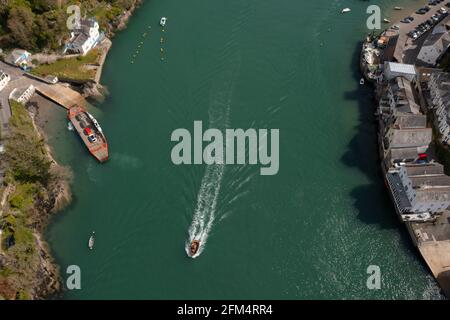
<point x="21" y="26"/>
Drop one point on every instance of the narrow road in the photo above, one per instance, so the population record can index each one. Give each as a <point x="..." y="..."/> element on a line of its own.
<point x="5" y="110"/>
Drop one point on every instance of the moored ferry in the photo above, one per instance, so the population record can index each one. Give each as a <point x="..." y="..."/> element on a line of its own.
<point x="89" y="131"/>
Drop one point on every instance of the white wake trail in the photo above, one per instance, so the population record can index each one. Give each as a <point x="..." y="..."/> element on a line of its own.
<point x="204" y="214"/>
<point x="208" y="195"/>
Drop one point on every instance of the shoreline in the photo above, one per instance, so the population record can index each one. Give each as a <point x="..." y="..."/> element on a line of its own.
<point x="47" y="279"/>
<point x="428" y="230"/>
<point x="63" y="196"/>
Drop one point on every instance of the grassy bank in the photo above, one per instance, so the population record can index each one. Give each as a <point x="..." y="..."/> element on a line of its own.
<point x="75" y="69"/>
<point x="25" y="269"/>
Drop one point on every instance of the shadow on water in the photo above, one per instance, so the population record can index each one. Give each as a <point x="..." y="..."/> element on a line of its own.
<point x="372" y="200"/>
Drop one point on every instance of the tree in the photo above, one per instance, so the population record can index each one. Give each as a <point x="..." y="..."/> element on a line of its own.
<point x="21" y="26"/>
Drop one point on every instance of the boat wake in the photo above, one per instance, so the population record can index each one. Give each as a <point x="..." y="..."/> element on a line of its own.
<point x="205" y="210"/>
<point x="208" y="195"/>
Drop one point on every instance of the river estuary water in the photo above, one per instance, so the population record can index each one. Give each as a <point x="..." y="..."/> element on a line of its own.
<point x="308" y="232"/>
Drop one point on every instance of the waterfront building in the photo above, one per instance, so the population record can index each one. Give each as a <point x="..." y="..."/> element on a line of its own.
<point x="399" y="96"/>
<point x="404" y="134"/>
<point x="4" y="80"/>
<point x="394" y="69"/>
<point x="406" y="126"/>
<point x="408" y="138"/>
<point x="419" y="189"/>
<point x="85" y="37"/>
<point x="22" y="95"/>
<point x="19" y="57"/>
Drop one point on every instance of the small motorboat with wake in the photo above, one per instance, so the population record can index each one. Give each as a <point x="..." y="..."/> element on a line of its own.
<point x="193" y="248"/>
<point x="91" y="240"/>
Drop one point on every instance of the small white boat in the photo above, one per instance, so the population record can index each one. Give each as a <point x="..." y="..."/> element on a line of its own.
<point x="346" y="10"/>
<point x="361" y="82"/>
<point x="91" y="241"/>
<point x="70" y="126"/>
<point x="398" y="8"/>
<point x="163" y="21"/>
<point x="386" y="20"/>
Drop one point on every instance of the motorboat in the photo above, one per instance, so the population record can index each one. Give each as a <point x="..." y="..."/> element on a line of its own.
<point x="346" y="10"/>
<point x="361" y="82"/>
<point x="386" y="20"/>
<point x="398" y="8"/>
<point x="91" y="241"/>
<point x="193" y="248"/>
<point x="163" y="21"/>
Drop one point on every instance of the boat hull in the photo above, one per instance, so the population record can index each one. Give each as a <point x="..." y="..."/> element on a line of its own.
<point x="95" y="141"/>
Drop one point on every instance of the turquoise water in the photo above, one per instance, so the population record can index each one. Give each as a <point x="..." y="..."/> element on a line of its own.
<point x="308" y="232"/>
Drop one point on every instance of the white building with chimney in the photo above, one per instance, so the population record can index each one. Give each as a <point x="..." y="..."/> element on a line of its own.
<point x="85" y="37"/>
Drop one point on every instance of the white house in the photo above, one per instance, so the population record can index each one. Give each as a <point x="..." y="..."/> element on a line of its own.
<point x="22" y="95"/>
<point x="4" y="80"/>
<point x="426" y="186"/>
<point x="19" y="57"/>
<point x="419" y="189"/>
<point x="84" y="38"/>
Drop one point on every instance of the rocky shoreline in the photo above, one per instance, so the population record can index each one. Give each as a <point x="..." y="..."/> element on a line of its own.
<point x="45" y="280"/>
<point x="27" y="269"/>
